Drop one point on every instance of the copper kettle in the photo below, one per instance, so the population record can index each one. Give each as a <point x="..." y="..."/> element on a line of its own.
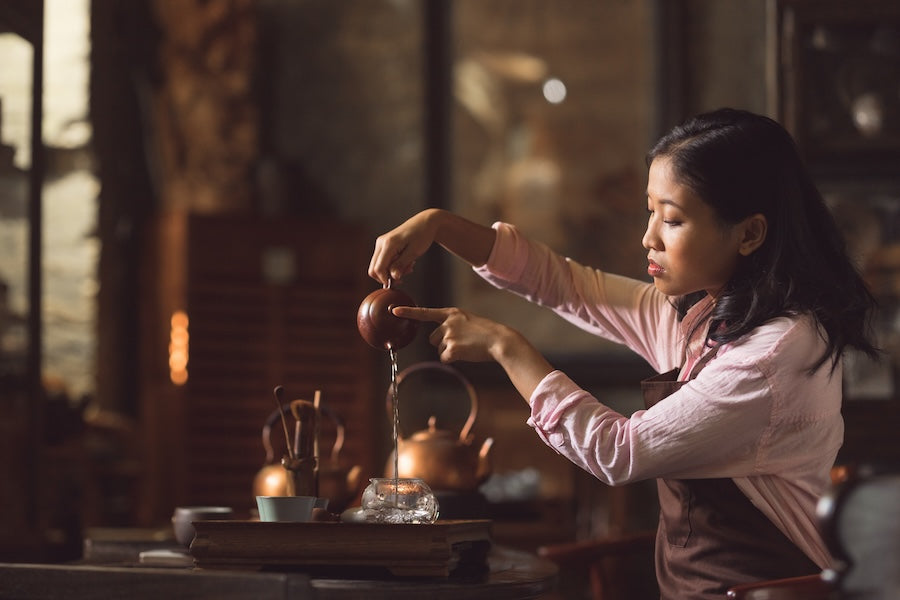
<point x="447" y="461"/>
<point x="338" y="482"/>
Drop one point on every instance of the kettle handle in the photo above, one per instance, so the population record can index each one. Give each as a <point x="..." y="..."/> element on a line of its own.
<point x="267" y="433"/>
<point x="439" y="366"/>
<point x="276" y="416"/>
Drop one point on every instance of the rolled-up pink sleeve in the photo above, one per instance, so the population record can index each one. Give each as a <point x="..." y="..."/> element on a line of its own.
<point x="557" y="415"/>
<point x="508" y="257"/>
<point x="544" y="419"/>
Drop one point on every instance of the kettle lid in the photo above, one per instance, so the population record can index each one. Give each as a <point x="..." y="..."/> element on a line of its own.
<point x="433" y="433"/>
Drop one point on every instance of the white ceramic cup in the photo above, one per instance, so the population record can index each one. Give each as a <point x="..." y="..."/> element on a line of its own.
<point x="184" y="516"/>
<point x="285" y="508"/>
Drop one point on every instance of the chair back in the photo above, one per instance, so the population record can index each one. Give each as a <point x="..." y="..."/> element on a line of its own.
<point x="861" y="523"/>
<point x="617" y="567"/>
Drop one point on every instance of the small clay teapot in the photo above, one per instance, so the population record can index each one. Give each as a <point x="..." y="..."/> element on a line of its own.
<point x="379" y="326"/>
<point x="447" y="461"/>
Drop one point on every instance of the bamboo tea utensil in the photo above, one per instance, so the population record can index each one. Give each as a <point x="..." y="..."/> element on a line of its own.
<point x="317" y="405"/>
<point x="304" y="466"/>
<point x="279" y="396"/>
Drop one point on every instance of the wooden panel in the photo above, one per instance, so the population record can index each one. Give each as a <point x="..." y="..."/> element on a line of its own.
<point x="269" y="303"/>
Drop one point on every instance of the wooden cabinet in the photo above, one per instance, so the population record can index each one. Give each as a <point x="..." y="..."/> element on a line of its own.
<point x="267" y="303"/>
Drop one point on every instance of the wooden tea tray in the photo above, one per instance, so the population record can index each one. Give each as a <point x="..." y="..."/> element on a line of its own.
<point x="427" y="550"/>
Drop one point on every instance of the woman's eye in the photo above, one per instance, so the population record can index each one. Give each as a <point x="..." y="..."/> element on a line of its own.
<point x="673" y="222"/>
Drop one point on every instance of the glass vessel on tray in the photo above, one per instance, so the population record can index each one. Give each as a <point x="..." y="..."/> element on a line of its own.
<point x="404" y="500"/>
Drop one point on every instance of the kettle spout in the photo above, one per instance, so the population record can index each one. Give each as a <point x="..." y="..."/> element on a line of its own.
<point x="485" y="464"/>
<point x="354" y="476"/>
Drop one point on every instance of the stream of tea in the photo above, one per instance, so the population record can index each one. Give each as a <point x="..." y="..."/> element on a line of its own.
<point x="394" y="499"/>
<point x="396" y="410"/>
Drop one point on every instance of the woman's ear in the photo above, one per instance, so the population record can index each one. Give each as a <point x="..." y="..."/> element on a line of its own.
<point x="754" y="234"/>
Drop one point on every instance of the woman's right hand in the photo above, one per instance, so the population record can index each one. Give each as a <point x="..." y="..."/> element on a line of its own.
<point x="397" y="250"/>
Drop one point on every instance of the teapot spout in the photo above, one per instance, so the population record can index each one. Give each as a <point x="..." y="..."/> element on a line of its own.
<point x="485" y="463"/>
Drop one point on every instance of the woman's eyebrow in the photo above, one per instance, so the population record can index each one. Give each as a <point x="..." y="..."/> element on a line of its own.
<point x="666" y="201"/>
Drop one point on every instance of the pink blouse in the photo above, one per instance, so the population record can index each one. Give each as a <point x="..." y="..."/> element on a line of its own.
<point x="753" y="413"/>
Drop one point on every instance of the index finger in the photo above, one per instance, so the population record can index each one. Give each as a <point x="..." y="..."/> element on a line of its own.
<point x="418" y="313"/>
<point x="379" y="265"/>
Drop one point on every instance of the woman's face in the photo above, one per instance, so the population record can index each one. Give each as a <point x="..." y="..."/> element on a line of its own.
<point x="689" y="250"/>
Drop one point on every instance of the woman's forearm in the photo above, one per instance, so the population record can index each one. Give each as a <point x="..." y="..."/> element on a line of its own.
<point x="468" y="240"/>
<point x="524" y="365"/>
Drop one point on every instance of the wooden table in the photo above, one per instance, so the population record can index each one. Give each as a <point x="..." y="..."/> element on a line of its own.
<point x="511" y="575"/>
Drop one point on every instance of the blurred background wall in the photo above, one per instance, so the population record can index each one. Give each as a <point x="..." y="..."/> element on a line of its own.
<point x="214" y="174"/>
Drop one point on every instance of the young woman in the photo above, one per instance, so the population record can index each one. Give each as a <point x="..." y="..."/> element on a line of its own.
<point x="752" y="304"/>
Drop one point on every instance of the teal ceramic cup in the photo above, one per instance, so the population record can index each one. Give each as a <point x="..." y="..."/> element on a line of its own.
<point x="285" y="508"/>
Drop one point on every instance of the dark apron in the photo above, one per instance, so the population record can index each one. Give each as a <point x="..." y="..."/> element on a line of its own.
<point x="710" y="536"/>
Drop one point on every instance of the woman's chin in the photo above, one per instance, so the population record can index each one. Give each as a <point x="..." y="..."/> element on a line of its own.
<point x="663" y="287"/>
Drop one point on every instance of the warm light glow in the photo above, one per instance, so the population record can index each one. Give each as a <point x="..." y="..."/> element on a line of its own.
<point x="406" y="464"/>
<point x="179" y="377"/>
<point x="554" y="91"/>
<point x="178" y="348"/>
<point x="179" y="319"/>
<point x="274" y="480"/>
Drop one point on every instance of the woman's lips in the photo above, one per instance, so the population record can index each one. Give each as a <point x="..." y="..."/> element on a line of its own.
<point x="654" y="270"/>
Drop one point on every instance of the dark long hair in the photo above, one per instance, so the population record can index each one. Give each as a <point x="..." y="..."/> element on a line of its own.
<point x="741" y="164"/>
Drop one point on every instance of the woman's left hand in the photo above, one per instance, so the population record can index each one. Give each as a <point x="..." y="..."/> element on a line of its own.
<point x="460" y="335"/>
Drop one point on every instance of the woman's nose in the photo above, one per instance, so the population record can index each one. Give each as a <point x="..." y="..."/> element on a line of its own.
<point x="650" y="239"/>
